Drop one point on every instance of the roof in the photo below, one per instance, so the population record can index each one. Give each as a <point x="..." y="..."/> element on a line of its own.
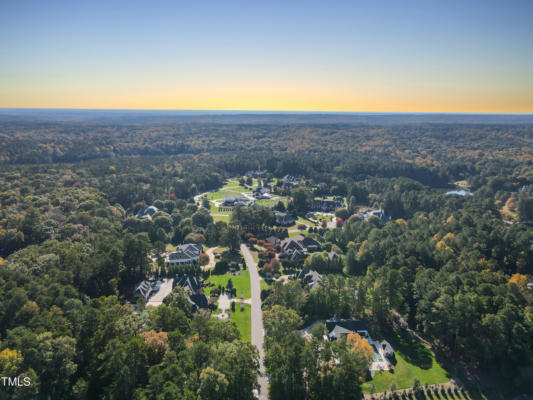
<point x="186" y="252"/>
<point x="345" y="326"/>
<point x="284" y="218"/>
<point x="189" y="282"/>
<point x="198" y="300"/>
<point x="387" y="348"/>
<point x="143" y="289"/>
<point x="273" y="240"/>
<point x="147" y="212"/>
<point x="234" y="198"/>
<point x="310" y="277"/>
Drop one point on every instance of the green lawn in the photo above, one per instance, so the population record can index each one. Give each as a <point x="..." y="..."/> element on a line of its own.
<point x="264" y="284"/>
<point x="240" y="282"/>
<point x="223" y="218"/>
<point x="415" y="360"/>
<point x="243" y="319"/>
<point x="170" y="247"/>
<point x="302" y="232"/>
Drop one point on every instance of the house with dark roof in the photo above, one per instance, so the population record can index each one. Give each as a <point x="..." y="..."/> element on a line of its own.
<point x="193" y="287"/>
<point x="189" y="282"/>
<point x="326" y="205"/>
<point x="185" y="254"/>
<point x="147" y="213"/>
<point x="298" y="247"/>
<point x="340" y="327"/>
<point x="232" y="200"/>
<point x="284" y="219"/>
<point x="309" y="277"/>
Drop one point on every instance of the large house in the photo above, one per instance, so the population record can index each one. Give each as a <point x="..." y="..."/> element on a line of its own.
<point x="338" y="328"/>
<point x="143" y="289"/>
<point x="185" y="254"/>
<point x="193" y="287"/>
<point x="147" y="213"/>
<point x="290" y="182"/>
<point x="262" y="192"/>
<point x="380" y="214"/>
<point x="231" y="200"/>
<point x="309" y="277"/>
<point x="298" y="247"/>
<point x="284" y="219"/>
<point x="327" y="205"/>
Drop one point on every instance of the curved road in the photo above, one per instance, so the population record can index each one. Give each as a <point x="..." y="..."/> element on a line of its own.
<point x="257" y="319"/>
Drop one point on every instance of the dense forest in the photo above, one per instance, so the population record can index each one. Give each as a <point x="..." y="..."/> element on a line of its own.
<point x="454" y="268"/>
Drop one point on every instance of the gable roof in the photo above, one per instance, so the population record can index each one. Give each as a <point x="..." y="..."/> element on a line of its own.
<point x="189" y="282"/>
<point x="143" y="289"/>
<point x="387" y="348"/>
<point x="186" y="252"/>
<point x="198" y="300"/>
<point x="338" y="327"/>
<point x="310" y="277"/>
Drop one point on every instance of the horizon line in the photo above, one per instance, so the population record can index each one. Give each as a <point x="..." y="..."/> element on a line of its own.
<point x="260" y="111"/>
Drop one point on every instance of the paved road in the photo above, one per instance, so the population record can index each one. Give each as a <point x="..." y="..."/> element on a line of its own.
<point x="257" y="318"/>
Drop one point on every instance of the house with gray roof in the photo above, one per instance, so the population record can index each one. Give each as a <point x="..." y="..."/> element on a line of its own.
<point x="298" y="247"/>
<point x="143" y="289"/>
<point x="309" y="277"/>
<point x="147" y="213"/>
<point x="185" y="254"/>
<point x="232" y="200"/>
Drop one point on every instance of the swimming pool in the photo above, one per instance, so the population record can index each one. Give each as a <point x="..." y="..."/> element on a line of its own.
<point x="377" y="356"/>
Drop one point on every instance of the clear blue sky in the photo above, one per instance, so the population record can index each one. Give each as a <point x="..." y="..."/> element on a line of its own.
<point x="464" y="56"/>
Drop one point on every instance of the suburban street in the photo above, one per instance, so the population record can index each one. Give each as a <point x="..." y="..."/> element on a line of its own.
<point x="257" y="318"/>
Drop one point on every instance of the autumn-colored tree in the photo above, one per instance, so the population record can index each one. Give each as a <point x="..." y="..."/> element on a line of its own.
<point x="358" y="344"/>
<point x="157" y="342"/>
<point x="519" y="280"/>
<point x="10" y="361"/>
<point x="203" y="259"/>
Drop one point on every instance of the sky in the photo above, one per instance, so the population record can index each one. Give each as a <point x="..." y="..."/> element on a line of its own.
<point x="398" y="56"/>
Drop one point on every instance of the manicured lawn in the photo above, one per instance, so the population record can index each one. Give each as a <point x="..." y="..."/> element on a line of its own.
<point x="223" y="218"/>
<point x="243" y="319"/>
<point x="240" y="282"/>
<point x="302" y="232"/>
<point x="415" y="360"/>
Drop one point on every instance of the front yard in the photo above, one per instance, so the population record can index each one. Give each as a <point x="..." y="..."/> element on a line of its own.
<point x="240" y="282"/>
<point x="243" y="319"/>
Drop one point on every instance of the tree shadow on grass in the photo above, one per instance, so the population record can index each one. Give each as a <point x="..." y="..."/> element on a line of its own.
<point x="411" y="349"/>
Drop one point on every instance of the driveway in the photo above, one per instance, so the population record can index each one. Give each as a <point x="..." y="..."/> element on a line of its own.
<point x="257" y="319"/>
<point x="159" y="296"/>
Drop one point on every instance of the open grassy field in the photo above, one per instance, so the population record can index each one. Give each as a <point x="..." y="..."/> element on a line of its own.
<point x="240" y="282"/>
<point x="243" y="319"/>
<point x="415" y="360"/>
